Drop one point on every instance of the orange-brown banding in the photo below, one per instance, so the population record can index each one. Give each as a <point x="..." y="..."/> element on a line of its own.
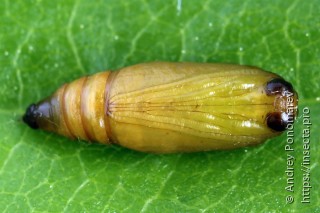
<point x="110" y="80"/>
<point x="84" y="124"/>
<point x="72" y="105"/>
<point x="93" y="107"/>
<point x="63" y="111"/>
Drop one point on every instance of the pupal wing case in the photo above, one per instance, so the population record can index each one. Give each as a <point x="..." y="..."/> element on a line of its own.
<point x="168" y="107"/>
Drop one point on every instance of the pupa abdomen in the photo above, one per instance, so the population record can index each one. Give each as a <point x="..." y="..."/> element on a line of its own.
<point x="166" y="107"/>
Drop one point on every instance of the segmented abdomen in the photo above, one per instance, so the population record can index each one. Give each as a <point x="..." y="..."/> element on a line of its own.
<point x="168" y="107"/>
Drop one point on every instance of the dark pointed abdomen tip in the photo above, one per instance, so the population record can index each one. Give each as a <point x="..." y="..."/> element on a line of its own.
<point x="30" y="117"/>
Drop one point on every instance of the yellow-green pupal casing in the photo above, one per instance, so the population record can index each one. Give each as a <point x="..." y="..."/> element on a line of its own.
<point x="166" y="107"/>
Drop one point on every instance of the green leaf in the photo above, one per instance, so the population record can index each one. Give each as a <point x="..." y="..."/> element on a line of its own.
<point x="46" y="43"/>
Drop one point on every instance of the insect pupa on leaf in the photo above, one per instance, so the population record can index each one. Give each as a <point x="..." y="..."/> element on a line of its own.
<point x="166" y="107"/>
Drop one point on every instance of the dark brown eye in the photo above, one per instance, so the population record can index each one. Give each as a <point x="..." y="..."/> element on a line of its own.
<point x="277" y="121"/>
<point x="278" y="86"/>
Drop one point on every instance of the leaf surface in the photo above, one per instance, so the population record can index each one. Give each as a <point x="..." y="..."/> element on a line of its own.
<point x="46" y="43"/>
